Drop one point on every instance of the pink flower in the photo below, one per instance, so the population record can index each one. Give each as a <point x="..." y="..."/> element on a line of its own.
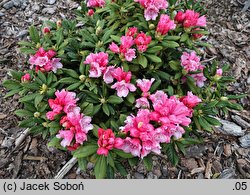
<point x="98" y="63"/>
<point x="108" y="75"/>
<point x="26" y="77"/>
<point x="67" y="136"/>
<point x="180" y="16"/>
<point x="130" y="55"/>
<point x="152" y="7"/>
<point x="77" y="126"/>
<point x="64" y="102"/>
<point x="95" y="70"/>
<point x="142" y="103"/>
<point x="90" y="12"/>
<point x="114" y="48"/>
<point x="142" y="41"/>
<point x="151" y="13"/>
<point x="201" y="21"/>
<point x="190" y="19"/>
<point x="123" y="88"/>
<point x="219" y="72"/>
<point x="107" y="141"/>
<point x="132" y="31"/>
<point x="165" y="24"/>
<point x="132" y="145"/>
<point x="190" y="100"/>
<point x="96" y="3"/>
<point x="127" y="41"/>
<point x="120" y="75"/>
<point x="199" y="79"/>
<point x="56" y="64"/>
<point x="190" y="62"/>
<point x="44" y="61"/>
<point x="145" y="85"/>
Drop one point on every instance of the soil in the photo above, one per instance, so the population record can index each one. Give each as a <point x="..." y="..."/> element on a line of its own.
<point x="220" y="156"/>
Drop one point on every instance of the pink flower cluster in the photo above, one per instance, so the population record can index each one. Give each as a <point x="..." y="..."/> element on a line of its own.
<point x="45" y="61"/>
<point x="75" y="124"/>
<point x="98" y="63"/>
<point x="169" y="115"/>
<point x="152" y="8"/>
<point x="191" y="62"/>
<point x="123" y="85"/>
<point x="165" y="24"/>
<point x="141" y="40"/>
<point x="107" y="141"/>
<point x="190" y="18"/>
<point x="96" y="3"/>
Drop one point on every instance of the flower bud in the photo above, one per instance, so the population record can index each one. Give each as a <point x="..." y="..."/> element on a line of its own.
<point x="59" y="23"/>
<point x="25" y="78"/>
<point x="37" y="114"/>
<point x="82" y="77"/>
<point x="102" y="100"/>
<point x="151" y="26"/>
<point x="98" y="30"/>
<point x="45" y="124"/>
<point x="43" y="89"/>
<point x="224" y="98"/>
<point x="46" y="30"/>
<point x="99" y="44"/>
<point x="90" y="12"/>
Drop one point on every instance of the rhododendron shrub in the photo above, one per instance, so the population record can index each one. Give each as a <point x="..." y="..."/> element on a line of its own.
<point x="128" y="84"/>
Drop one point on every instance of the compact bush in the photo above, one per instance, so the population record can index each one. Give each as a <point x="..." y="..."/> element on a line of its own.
<point x="121" y="83"/>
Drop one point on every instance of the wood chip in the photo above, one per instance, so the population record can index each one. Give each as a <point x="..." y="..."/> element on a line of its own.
<point x="208" y="172"/>
<point x="66" y="168"/>
<point x="35" y="158"/>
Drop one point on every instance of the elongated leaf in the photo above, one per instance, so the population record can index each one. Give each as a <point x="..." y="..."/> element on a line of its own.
<point x="154" y="49"/>
<point x="85" y="151"/>
<point x="23" y="113"/>
<point x="153" y="58"/>
<point x="38" y="99"/>
<point x="123" y="154"/>
<point x="34" y="34"/>
<point x="148" y="162"/>
<point x="115" y="99"/>
<point x="171" y="153"/>
<point x="142" y="60"/>
<point x="170" y="44"/>
<point x="100" y="167"/>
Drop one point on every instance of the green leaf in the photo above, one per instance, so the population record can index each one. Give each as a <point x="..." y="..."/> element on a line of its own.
<point x="28" y="97"/>
<point x="170" y="44"/>
<point x="34" y="34"/>
<point x="171" y="153"/>
<point x="38" y="99"/>
<point x="16" y="74"/>
<point x="71" y="73"/>
<point x="88" y="110"/>
<point x="163" y="75"/>
<point x="106" y="35"/>
<point x="27" y="123"/>
<point x="153" y="58"/>
<point x="68" y="80"/>
<point x="115" y="99"/>
<point x="27" y="51"/>
<point x="54" y="142"/>
<point x="184" y="37"/>
<point x="181" y="147"/>
<point x="154" y="49"/>
<point x="206" y="126"/>
<point x="130" y="98"/>
<point x="123" y="154"/>
<point x="73" y="86"/>
<point x="172" y="38"/>
<point x="212" y="121"/>
<point x="155" y="86"/>
<point x="23" y="113"/>
<point x="105" y="109"/>
<point x="82" y="163"/>
<point x="175" y="65"/>
<point x="148" y="162"/>
<point x="110" y="160"/>
<point x="115" y="38"/>
<point x="142" y="60"/>
<point x="12" y="92"/>
<point x="120" y="168"/>
<point x="85" y="151"/>
<point x="100" y="167"/>
<point x="11" y="84"/>
<point x="42" y="77"/>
